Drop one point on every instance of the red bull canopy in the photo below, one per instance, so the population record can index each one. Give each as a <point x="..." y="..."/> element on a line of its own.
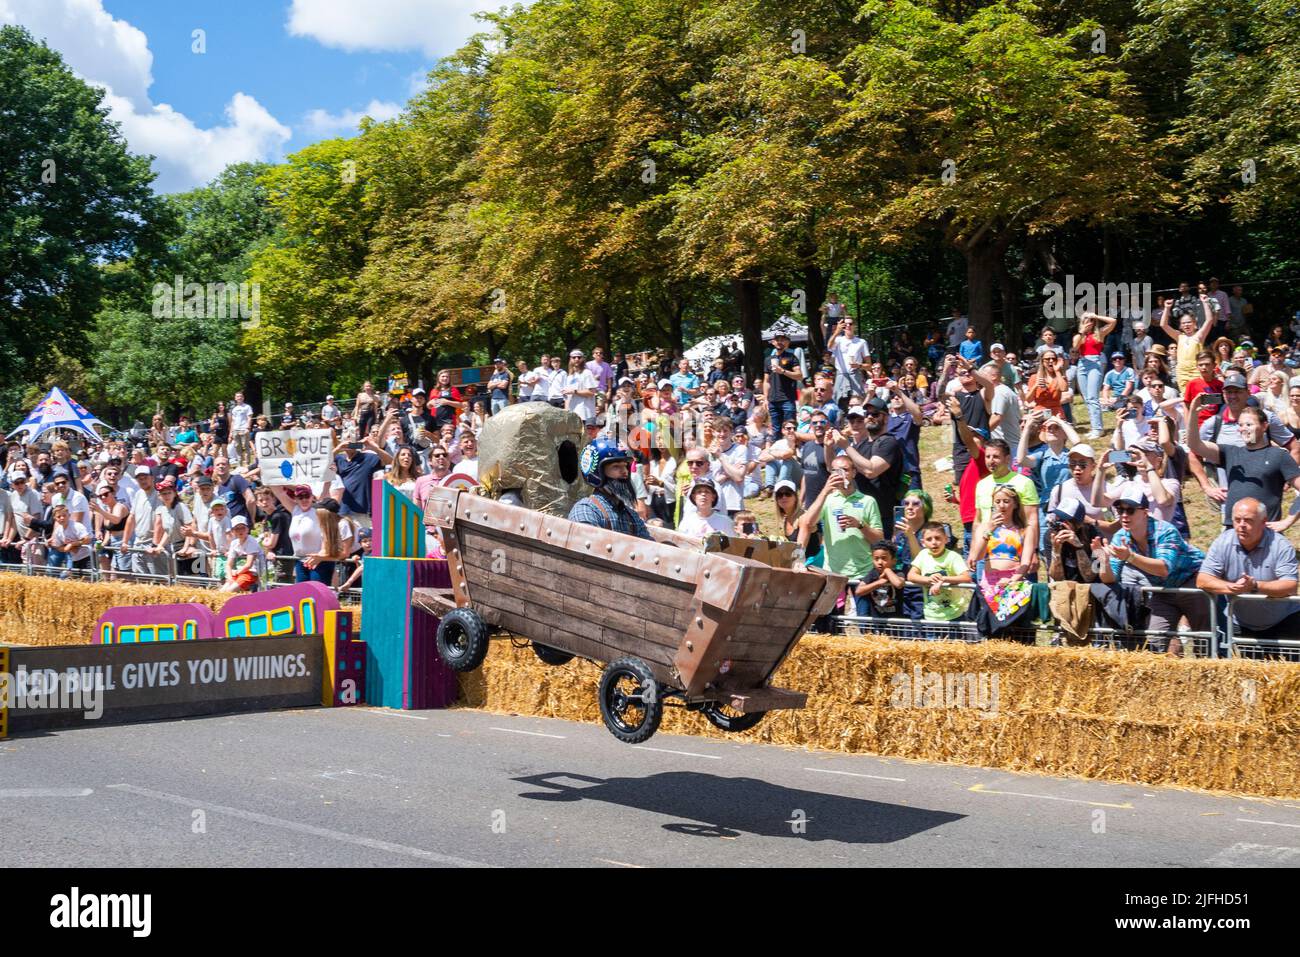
<point x="57" y="411"/>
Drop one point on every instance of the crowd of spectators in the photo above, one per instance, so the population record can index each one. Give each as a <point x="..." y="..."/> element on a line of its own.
<point x="1178" y="401"/>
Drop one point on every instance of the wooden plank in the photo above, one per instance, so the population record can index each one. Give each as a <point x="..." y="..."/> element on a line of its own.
<point x="569" y="597"/>
<point x="435" y="601"/>
<point x="773" y="618"/>
<point x="640" y="582"/>
<point x="576" y="616"/>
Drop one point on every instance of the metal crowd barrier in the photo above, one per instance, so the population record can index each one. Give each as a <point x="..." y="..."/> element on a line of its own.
<point x="1197" y="644"/>
<point x="1242" y="644"/>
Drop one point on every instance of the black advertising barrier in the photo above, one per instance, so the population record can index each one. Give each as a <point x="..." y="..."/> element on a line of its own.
<point x="86" y="684"/>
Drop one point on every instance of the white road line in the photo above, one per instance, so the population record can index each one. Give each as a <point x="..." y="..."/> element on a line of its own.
<point x="981" y="789"/>
<point x="689" y="754"/>
<point x="390" y="713"/>
<point x="1246" y="820"/>
<point x="606" y="860"/>
<point x="855" y="774"/>
<point x="300" y="828"/>
<point x="535" y="734"/>
<point x="46" y="792"/>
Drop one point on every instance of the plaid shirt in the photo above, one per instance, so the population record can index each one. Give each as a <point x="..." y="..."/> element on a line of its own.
<point x="604" y="512"/>
<point x="1166" y="543"/>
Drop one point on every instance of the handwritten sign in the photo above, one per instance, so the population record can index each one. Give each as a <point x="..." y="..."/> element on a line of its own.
<point x="295" y="456"/>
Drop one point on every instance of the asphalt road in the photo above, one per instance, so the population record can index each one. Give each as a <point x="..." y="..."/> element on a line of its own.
<point x="360" y="787"/>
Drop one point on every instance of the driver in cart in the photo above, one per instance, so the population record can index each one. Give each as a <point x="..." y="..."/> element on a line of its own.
<point x="607" y="468"/>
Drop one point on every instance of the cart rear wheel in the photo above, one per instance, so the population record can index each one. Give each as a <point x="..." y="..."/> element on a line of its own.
<point x="630" y="702"/>
<point x="729" y="719"/>
<point x="462" y="639"/>
<point x="551" y="656"/>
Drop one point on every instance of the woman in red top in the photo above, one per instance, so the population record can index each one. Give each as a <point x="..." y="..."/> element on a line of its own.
<point x="1093" y="330"/>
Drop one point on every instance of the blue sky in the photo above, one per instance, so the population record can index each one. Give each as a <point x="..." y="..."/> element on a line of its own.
<point x="275" y="75"/>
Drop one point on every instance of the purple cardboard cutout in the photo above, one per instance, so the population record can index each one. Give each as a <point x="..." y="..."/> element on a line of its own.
<point x="203" y="623"/>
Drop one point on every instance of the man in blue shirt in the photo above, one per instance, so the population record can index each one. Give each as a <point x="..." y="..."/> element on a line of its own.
<point x="355" y="469"/>
<point x="1252" y="559"/>
<point x="971" y="348"/>
<point x="686" y="384"/>
<point x="1146" y="552"/>
<point x="1119" y="383"/>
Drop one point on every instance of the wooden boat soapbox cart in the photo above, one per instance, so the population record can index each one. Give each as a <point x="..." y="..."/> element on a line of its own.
<point x="674" y="624"/>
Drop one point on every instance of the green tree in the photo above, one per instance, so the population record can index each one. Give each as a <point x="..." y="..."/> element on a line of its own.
<point x="71" y="199"/>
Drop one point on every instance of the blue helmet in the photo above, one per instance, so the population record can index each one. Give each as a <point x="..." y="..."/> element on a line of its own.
<point x="594" y="457"/>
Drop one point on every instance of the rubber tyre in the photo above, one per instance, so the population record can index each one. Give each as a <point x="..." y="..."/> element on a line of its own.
<point x="462" y="639"/>
<point x="551" y="656"/>
<point x="631" y="721"/>
<point x="735" y="723"/>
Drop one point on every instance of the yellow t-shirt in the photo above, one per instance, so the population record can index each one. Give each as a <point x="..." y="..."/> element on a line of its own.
<point x="1189" y="347"/>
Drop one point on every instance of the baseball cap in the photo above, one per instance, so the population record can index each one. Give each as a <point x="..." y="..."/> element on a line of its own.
<point x="1235" y="381"/>
<point x="785" y="485"/>
<point x="1070" y="509"/>
<point x="982" y="433"/>
<point x="1084" y="450"/>
<point x="143" y="470"/>
<point x="877" y="403"/>
<point x="418" y="390"/>
<point x="203" y="480"/>
<point x="499" y="359"/>
<point x="1118" y="355"/>
<point x="665" y="384"/>
<point x="238" y="520"/>
<point x="329" y="398"/>
<point x="18" y="477"/>
<point x="996" y="346"/>
<point x="326" y="504"/>
<point x="855" y="412"/>
<point x="576" y="354"/>
<point x="625" y="381"/>
<point x="1134" y="494"/>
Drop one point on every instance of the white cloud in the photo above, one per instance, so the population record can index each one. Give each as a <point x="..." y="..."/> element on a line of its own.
<point x="189" y="156"/>
<point x="435" y="27"/>
<point x="115" y="55"/>
<point x="321" y="123"/>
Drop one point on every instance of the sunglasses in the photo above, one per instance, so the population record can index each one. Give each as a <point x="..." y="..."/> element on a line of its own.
<point x="913" y="503"/>
<point x="439" y="455"/>
<point x="694" y="462"/>
<point x="104" y="495"/>
<point x="1125" y="510"/>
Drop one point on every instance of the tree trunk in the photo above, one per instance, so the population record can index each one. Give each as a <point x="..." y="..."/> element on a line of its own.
<point x="600" y="323"/>
<point x="1009" y="288"/>
<point x="983" y="256"/>
<point x="676" y="309"/>
<point x="814" y="285"/>
<point x="747" y="293"/>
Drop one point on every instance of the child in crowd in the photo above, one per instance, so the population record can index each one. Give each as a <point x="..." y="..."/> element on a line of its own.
<point x="936" y="569"/>
<point x="880" y="590"/>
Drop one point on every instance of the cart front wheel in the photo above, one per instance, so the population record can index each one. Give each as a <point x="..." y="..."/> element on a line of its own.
<point x="551" y="656"/>
<point x="462" y="639"/>
<point x="630" y="702"/>
<point x="729" y="719"/>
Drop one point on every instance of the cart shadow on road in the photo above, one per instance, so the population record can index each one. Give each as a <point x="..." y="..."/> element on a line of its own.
<point x="715" y="806"/>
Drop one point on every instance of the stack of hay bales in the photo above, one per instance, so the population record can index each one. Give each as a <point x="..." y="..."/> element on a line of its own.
<point x="48" y="611"/>
<point x="1137" y="717"/>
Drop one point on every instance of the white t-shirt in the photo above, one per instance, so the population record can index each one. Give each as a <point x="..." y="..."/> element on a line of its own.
<point x="249" y="547"/>
<point x="240" y="417"/>
<point x="849" y="354"/>
<point x="305" y="533"/>
<point x="584" y="406"/>
<point x="1007" y="404"/>
<point x="555" y="388"/>
<point x="74" y="531"/>
<point x="698" y="527"/>
<point x="731" y="494"/>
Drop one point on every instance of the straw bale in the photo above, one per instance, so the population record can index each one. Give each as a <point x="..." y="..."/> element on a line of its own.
<point x="1130" y="717"/>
